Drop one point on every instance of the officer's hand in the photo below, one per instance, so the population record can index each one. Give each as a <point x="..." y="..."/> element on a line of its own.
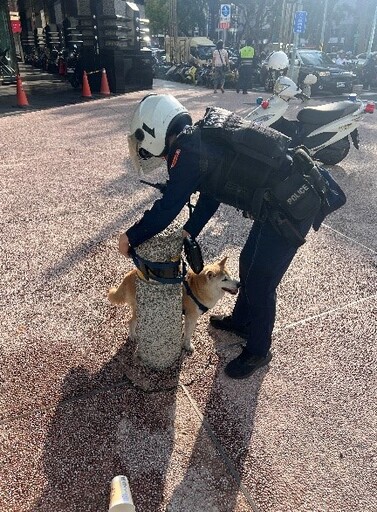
<point x="185" y="234"/>
<point x="124" y="245"/>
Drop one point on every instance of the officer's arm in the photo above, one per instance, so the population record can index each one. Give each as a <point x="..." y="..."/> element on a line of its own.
<point x="203" y="211"/>
<point x="183" y="181"/>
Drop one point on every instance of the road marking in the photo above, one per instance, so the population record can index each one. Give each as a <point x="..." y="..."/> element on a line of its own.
<point x="349" y="238"/>
<point x="227" y="461"/>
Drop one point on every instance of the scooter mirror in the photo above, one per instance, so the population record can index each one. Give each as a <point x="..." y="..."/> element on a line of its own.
<point x="310" y="79"/>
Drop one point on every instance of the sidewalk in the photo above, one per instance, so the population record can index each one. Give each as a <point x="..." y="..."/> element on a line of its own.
<point x="43" y="90"/>
<point x="298" y="436"/>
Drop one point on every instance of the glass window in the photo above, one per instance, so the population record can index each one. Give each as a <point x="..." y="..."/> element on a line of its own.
<point x="315" y="59"/>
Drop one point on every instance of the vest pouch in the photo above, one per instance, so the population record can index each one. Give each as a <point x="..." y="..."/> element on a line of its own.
<point x="297" y="197"/>
<point x="235" y="180"/>
<point x="242" y="179"/>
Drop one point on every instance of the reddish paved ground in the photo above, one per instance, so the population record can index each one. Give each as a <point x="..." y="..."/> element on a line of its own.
<point x="297" y="436"/>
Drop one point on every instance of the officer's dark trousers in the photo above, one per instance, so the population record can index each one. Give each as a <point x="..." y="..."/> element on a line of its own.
<point x="263" y="262"/>
<point x="245" y="77"/>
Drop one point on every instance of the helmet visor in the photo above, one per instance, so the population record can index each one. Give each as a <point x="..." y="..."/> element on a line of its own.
<point x="142" y="160"/>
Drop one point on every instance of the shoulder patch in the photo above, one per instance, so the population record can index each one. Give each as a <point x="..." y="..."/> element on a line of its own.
<point x="175" y="158"/>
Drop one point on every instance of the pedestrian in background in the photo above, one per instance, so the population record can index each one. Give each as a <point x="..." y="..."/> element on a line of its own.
<point x="341" y="59"/>
<point x="245" y="67"/>
<point x="220" y="65"/>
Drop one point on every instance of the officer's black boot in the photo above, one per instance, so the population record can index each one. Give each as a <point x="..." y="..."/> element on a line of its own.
<point x="225" y="323"/>
<point x="246" y="364"/>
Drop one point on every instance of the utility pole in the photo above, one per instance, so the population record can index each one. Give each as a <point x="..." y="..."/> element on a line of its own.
<point x="288" y="20"/>
<point x="282" y="23"/>
<point x="324" y="19"/>
<point x="373" y="30"/>
<point x="296" y="40"/>
<point x="173" y="32"/>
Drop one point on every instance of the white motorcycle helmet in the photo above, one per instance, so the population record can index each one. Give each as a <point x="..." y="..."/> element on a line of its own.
<point x="278" y="61"/>
<point x="156" y="117"/>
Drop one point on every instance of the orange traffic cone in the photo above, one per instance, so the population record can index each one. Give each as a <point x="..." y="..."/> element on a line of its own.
<point x="86" y="92"/>
<point x="21" y="95"/>
<point x="105" y="89"/>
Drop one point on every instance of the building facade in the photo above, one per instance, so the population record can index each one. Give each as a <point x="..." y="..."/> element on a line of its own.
<point x="107" y="34"/>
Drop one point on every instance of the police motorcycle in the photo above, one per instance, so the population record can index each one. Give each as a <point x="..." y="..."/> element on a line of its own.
<point x="324" y="130"/>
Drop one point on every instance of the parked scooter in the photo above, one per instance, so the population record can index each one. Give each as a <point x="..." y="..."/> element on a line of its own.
<point x="73" y="66"/>
<point x="325" y="130"/>
<point x="7" y="73"/>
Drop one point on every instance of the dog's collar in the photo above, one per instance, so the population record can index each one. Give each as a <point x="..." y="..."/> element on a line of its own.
<point x="190" y="294"/>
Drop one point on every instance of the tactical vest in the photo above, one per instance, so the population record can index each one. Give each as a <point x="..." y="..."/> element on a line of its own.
<point x="254" y="159"/>
<point x="260" y="175"/>
<point x="256" y="173"/>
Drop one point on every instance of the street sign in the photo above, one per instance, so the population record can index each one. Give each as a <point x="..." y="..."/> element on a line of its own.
<point x="15" y="22"/>
<point x="224" y="25"/>
<point x="16" y="26"/>
<point x="225" y="13"/>
<point x="299" y="25"/>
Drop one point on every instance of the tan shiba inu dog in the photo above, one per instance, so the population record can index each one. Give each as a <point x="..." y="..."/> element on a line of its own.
<point x="200" y="293"/>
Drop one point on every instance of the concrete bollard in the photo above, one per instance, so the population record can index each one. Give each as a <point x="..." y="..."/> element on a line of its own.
<point x="159" y="306"/>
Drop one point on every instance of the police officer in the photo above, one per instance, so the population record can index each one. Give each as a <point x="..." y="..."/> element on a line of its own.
<point x="245" y="67"/>
<point x="161" y="126"/>
<point x="370" y="71"/>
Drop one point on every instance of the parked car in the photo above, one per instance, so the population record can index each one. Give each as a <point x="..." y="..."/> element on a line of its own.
<point x="330" y="76"/>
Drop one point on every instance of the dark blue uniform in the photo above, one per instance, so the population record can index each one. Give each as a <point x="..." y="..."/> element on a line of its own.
<point x="263" y="261"/>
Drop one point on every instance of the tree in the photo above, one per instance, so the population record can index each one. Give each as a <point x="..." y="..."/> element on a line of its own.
<point x="157" y="11"/>
<point x="191" y="16"/>
<point x="336" y="13"/>
<point x="259" y="20"/>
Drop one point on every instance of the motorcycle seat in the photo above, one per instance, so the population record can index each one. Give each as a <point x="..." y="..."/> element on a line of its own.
<point x="327" y="113"/>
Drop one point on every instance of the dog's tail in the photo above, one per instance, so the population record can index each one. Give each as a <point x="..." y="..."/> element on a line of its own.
<point x="117" y="295"/>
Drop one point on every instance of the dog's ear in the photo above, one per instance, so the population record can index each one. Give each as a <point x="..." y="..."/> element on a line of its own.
<point x="210" y="274"/>
<point x="223" y="261"/>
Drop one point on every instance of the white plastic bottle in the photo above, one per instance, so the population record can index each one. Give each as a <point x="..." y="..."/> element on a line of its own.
<point x="120" y="496"/>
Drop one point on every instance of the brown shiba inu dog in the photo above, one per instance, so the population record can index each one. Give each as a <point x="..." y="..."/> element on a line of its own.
<point x="200" y="293"/>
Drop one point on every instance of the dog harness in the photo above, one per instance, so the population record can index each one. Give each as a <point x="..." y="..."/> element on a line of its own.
<point x="167" y="272"/>
<point x="201" y="306"/>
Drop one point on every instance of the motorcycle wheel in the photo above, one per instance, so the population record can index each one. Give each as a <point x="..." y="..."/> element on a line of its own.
<point x="335" y="153"/>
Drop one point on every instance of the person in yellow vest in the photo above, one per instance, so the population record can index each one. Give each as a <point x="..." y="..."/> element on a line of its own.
<point x="245" y="67"/>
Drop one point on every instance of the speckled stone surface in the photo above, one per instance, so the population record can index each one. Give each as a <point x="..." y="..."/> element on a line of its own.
<point x="298" y="436"/>
<point x="159" y="306"/>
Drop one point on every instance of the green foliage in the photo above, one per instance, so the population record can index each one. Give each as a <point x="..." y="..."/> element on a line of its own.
<point x="191" y="14"/>
<point x="259" y="20"/>
<point x="157" y="11"/>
